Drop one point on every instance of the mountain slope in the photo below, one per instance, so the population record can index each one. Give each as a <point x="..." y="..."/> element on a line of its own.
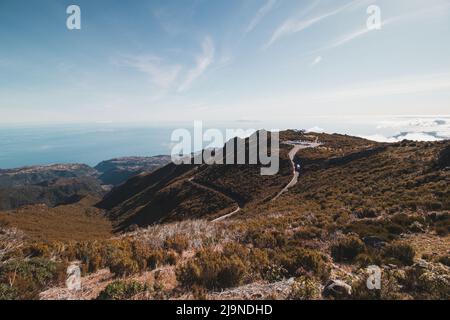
<point x="356" y="204"/>
<point x="177" y="192"/>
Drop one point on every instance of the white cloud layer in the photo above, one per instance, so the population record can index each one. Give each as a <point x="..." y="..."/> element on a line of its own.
<point x="416" y="129"/>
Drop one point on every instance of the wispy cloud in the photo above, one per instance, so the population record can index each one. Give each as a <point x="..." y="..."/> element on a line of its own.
<point x="316" y="61"/>
<point x="203" y="61"/>
<point x="162" y="75"/>
<point x="292" y="26"/>
<point x="356" y="34"/>
<point x="170" y="76"/>
<point x="262" y="12"/>
<point x="351" y="36"/>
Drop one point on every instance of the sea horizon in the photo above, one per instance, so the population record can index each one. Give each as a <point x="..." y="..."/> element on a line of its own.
<point x="30" y="144"/>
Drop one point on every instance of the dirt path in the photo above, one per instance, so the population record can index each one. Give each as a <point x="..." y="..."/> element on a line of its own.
<point x="227" y="215"/>
<point x="198" y="185"/>
<point x="297" y="147"/>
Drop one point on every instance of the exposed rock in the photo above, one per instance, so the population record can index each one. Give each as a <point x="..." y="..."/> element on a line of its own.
<point x="416" y="226"/>
<point x="337" y="289"/>
<point x="373" y="241"/>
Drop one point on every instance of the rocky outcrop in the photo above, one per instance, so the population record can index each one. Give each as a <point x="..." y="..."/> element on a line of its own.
<point x="337" y="289"/>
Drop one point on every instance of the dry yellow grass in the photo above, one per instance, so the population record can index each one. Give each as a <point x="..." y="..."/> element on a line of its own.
<point x="79" y="221"/>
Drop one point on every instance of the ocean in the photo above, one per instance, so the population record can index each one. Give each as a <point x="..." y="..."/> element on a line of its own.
<point x="26" y="145"/>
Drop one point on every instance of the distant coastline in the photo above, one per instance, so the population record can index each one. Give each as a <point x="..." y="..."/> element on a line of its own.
<point x="30" y="145"/>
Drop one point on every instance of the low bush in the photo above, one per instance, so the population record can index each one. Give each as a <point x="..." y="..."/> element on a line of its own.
<point x="301" y="261"/>
<point x="427" y="281"/>
<point x="34" y="250"/>
<point x="390" y="288"/>
<point x="121" y="290"/>
<point x="122" y="265"/>
<point x="399" y="253"/>
<point x="266" y="239"/>
<point x="362" y="213"/>
<point x="178" y="242"/>
<point x="445" y="260"/>
<point x="308" y="233"/>
<point x="388" y="229"/>
<point x="212" y="270"/>
<point x="155" y="258"/>
<point x="26" y="278"/>
<point x="305" y="288"/>
<point x="7" y="292"/>
<point x="347" y="249"/>
<point x="274" y="273"/>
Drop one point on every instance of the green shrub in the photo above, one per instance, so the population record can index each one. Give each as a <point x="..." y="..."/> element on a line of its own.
<point x="29" y="277"/>
<point x="347" y="249"/>
<point x="274" y="273"/>
<point x="121" y="290"/>
<point x="305" y="288"/>
<point x="8" y="293"/>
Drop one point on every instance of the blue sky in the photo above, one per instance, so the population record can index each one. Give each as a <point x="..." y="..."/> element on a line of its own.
<point x="157" y="61"/>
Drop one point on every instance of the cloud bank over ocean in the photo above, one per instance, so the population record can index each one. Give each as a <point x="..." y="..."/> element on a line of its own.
<point x="412" y="128"/>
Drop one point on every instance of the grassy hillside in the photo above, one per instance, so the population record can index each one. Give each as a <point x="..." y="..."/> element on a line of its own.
<point x="357" y="203"/>
<point x="78" y="221"/>
<point x="193" y="191"/>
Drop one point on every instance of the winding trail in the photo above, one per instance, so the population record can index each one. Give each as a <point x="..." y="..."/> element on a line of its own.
<point x="227" y="215"/>
<point x="198" y="185"/>
<point x="298" y="145"/>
